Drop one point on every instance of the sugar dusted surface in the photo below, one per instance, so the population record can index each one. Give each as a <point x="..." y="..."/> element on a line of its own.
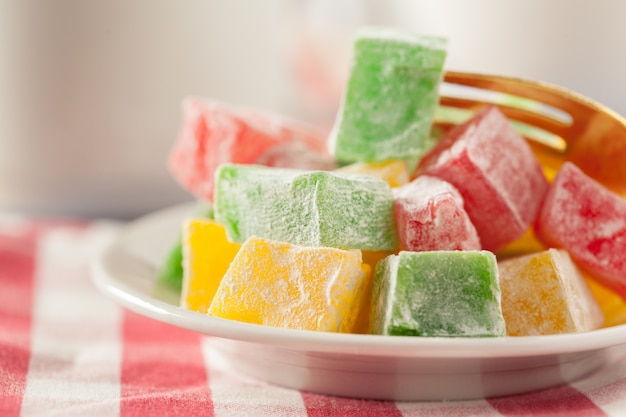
<point x="357" y="212"/>
<point x="495" y="171"/>
<point x="313" y="208"/>
<point x="585" y="218"/>
<point x="446" y="293"/>
<point x="430" y="215"/>
<point x="510" y="166"/>
<point x="212" y="133"/>
<point x="544" y="293"/>
<point x="586" y="313"/>
<point x="324" y="287"/>
<point x="388" y="106"/>
<point x="383" y="290"/>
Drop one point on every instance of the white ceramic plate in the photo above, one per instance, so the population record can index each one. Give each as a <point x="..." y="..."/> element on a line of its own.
<point x="366" y="366"/>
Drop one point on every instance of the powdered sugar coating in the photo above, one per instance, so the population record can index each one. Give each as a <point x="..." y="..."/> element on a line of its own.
<point x="496" y="172"/>
<point x="437" y="294"/>
<point x="313" y="208"/>
<point x="430" y="216"/>
<point x="212" y="133"/>
<point x="390" y="99"/>
<point x="545" y="293"/>
<point x="589" y="221"/>
<point x="324" y="286"/>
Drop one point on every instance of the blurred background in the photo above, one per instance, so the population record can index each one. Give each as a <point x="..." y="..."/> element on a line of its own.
<point x="90" y="91"/>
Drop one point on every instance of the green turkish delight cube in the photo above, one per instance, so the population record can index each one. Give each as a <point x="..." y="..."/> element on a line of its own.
<point x="437" y="294"/>
<point x="391" y="96"/>
<point x="310" y="208"/>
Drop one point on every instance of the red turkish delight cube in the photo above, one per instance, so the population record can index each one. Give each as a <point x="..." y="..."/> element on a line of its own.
<point x="212" y="133"/>
<point x="582" y="216"/>
<point x="496" y="172"/>
<point x="430" y="216"/>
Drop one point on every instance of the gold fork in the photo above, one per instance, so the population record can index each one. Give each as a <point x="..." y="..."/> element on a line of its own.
<point x="559" y="124"/>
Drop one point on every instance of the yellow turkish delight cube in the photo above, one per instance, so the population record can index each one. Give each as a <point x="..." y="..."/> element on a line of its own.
<point x="290" y="286"/>
<point x="545" y="293"/>
<point x="207" y="253"/>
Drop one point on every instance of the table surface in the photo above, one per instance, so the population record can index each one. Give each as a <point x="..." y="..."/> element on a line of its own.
<point x="66" y="350"/>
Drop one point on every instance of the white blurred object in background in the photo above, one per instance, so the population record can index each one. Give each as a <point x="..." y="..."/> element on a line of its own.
<point x="577" y="44"/>
<point x="90" y="95"/>
<point x="90" y="91"/>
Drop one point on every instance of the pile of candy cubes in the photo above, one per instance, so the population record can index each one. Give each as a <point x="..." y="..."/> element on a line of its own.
<point x="381" y="227"/>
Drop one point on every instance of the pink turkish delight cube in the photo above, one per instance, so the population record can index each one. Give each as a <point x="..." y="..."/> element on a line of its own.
<point x="496" y="172"/>
<point x="582" y="216"/>
<point x="430" y="216"/>
<point x="212" y="133"/>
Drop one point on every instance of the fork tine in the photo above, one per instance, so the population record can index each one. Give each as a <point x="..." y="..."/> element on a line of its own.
<point x="539" y="120"/>
<point x="546" y="93"/>
<point x="576" y="105"/>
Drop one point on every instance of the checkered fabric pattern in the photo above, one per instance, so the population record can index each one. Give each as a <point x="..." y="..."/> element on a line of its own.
<point x="66" y="350"/>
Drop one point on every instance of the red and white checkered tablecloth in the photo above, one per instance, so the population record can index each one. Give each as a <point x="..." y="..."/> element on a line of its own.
<point x="66" y="350"/>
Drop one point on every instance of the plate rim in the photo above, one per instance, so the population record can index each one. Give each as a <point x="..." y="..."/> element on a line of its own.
<point x="104" y="276"/>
